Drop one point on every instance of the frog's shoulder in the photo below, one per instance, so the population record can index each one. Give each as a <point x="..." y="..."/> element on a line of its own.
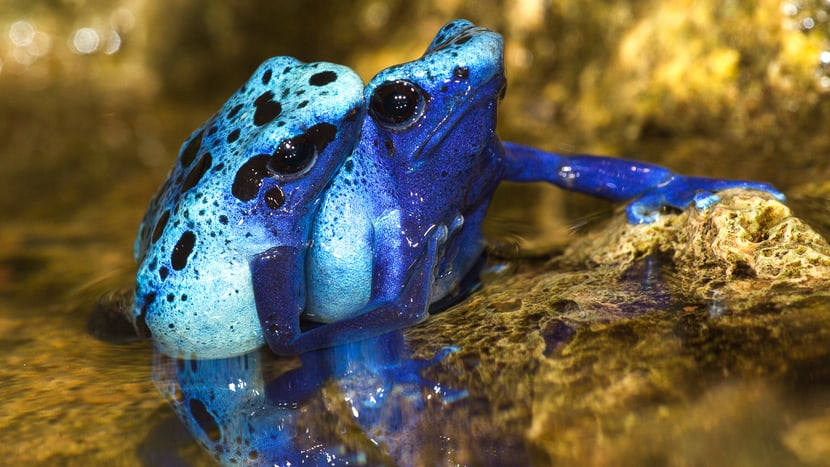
<point x="224" y="161"/>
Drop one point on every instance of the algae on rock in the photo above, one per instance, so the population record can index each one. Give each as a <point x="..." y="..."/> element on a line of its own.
<point x="740" y="248"/>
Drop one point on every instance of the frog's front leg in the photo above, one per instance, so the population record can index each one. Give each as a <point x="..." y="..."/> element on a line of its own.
<point x="401" y="299"/>
<point x="650" y="186"/>
<point x="279" y="292"/>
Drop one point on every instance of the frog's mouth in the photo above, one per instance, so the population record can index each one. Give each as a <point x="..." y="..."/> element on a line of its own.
<point x="472" y="98"/>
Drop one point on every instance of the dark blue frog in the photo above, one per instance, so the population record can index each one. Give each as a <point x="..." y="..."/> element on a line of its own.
<point x="311" y="212"/>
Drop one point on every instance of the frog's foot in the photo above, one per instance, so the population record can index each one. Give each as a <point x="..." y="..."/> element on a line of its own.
<point x="383" y="360"/>
<point x="406" y="374"/>
<point x="409" y="371"/>
<point x="447" y="395"/>
<point x="680" y="192"/>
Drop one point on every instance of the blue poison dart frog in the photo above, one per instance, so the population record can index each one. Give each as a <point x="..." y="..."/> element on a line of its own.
<point x="311" y="211"/>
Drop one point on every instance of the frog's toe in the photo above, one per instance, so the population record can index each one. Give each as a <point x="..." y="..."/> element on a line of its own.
<point x="706" y="195"/>
<point x="704" y="200"/>
<point x="443" y="353"/>
<point x="769" y="189"/>
<point x="645" y="210"/>
<point x="446" y="394"/>
<point x="707" y="187"/>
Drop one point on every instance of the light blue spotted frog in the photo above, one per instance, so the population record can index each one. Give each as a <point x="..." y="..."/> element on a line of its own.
<point x="311" y="212"/>
<point x="248" y="181"/>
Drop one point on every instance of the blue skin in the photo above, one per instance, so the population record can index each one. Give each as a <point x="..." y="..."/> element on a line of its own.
<point x="399" y="226"/>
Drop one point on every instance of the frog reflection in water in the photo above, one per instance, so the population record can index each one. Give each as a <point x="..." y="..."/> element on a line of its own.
<point x="255" y="410"/>
<point x="311" y="212"/>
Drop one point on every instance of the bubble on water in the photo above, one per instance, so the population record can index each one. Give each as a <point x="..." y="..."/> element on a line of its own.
<point x="113" y="43"/>
<point x="40" y="45"/>
<point x="23" y="57"/>
<point x="21" y="33"/>
<point x="122" y="20"/>
<point x="789" y="9"/>
<point x="376" y="15"/>
<point x="85" y="41"/>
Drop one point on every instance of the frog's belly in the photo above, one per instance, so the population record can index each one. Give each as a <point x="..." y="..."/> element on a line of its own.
<point x="339" y="272"/>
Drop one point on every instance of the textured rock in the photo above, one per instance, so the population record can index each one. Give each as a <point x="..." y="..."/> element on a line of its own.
<point x="741" y="247"/>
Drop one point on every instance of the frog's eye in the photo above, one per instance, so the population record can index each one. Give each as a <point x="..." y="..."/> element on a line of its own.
<point x="397" y="103"/>
<point x="293" y="156"/>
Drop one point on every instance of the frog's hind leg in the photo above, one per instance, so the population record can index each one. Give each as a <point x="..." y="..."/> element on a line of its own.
<point x="280" y="297"/>
<point x="651" y="187"/>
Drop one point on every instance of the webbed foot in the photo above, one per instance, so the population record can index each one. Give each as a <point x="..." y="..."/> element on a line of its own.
<point x="680" y="192"/>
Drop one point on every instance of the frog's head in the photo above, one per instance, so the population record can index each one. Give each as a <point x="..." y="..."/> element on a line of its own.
<point x="434" y="116"/>
<point x="248" y="180"/>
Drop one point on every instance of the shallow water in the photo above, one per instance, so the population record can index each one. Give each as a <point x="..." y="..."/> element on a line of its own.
<point x="557" y="365"/>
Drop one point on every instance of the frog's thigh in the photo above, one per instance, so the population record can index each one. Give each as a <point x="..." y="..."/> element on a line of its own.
<point x="340" y="273"/>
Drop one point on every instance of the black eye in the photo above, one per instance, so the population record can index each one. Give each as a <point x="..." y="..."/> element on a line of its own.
<point x="396" y="103"/>
<point x="292" y="156"/>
